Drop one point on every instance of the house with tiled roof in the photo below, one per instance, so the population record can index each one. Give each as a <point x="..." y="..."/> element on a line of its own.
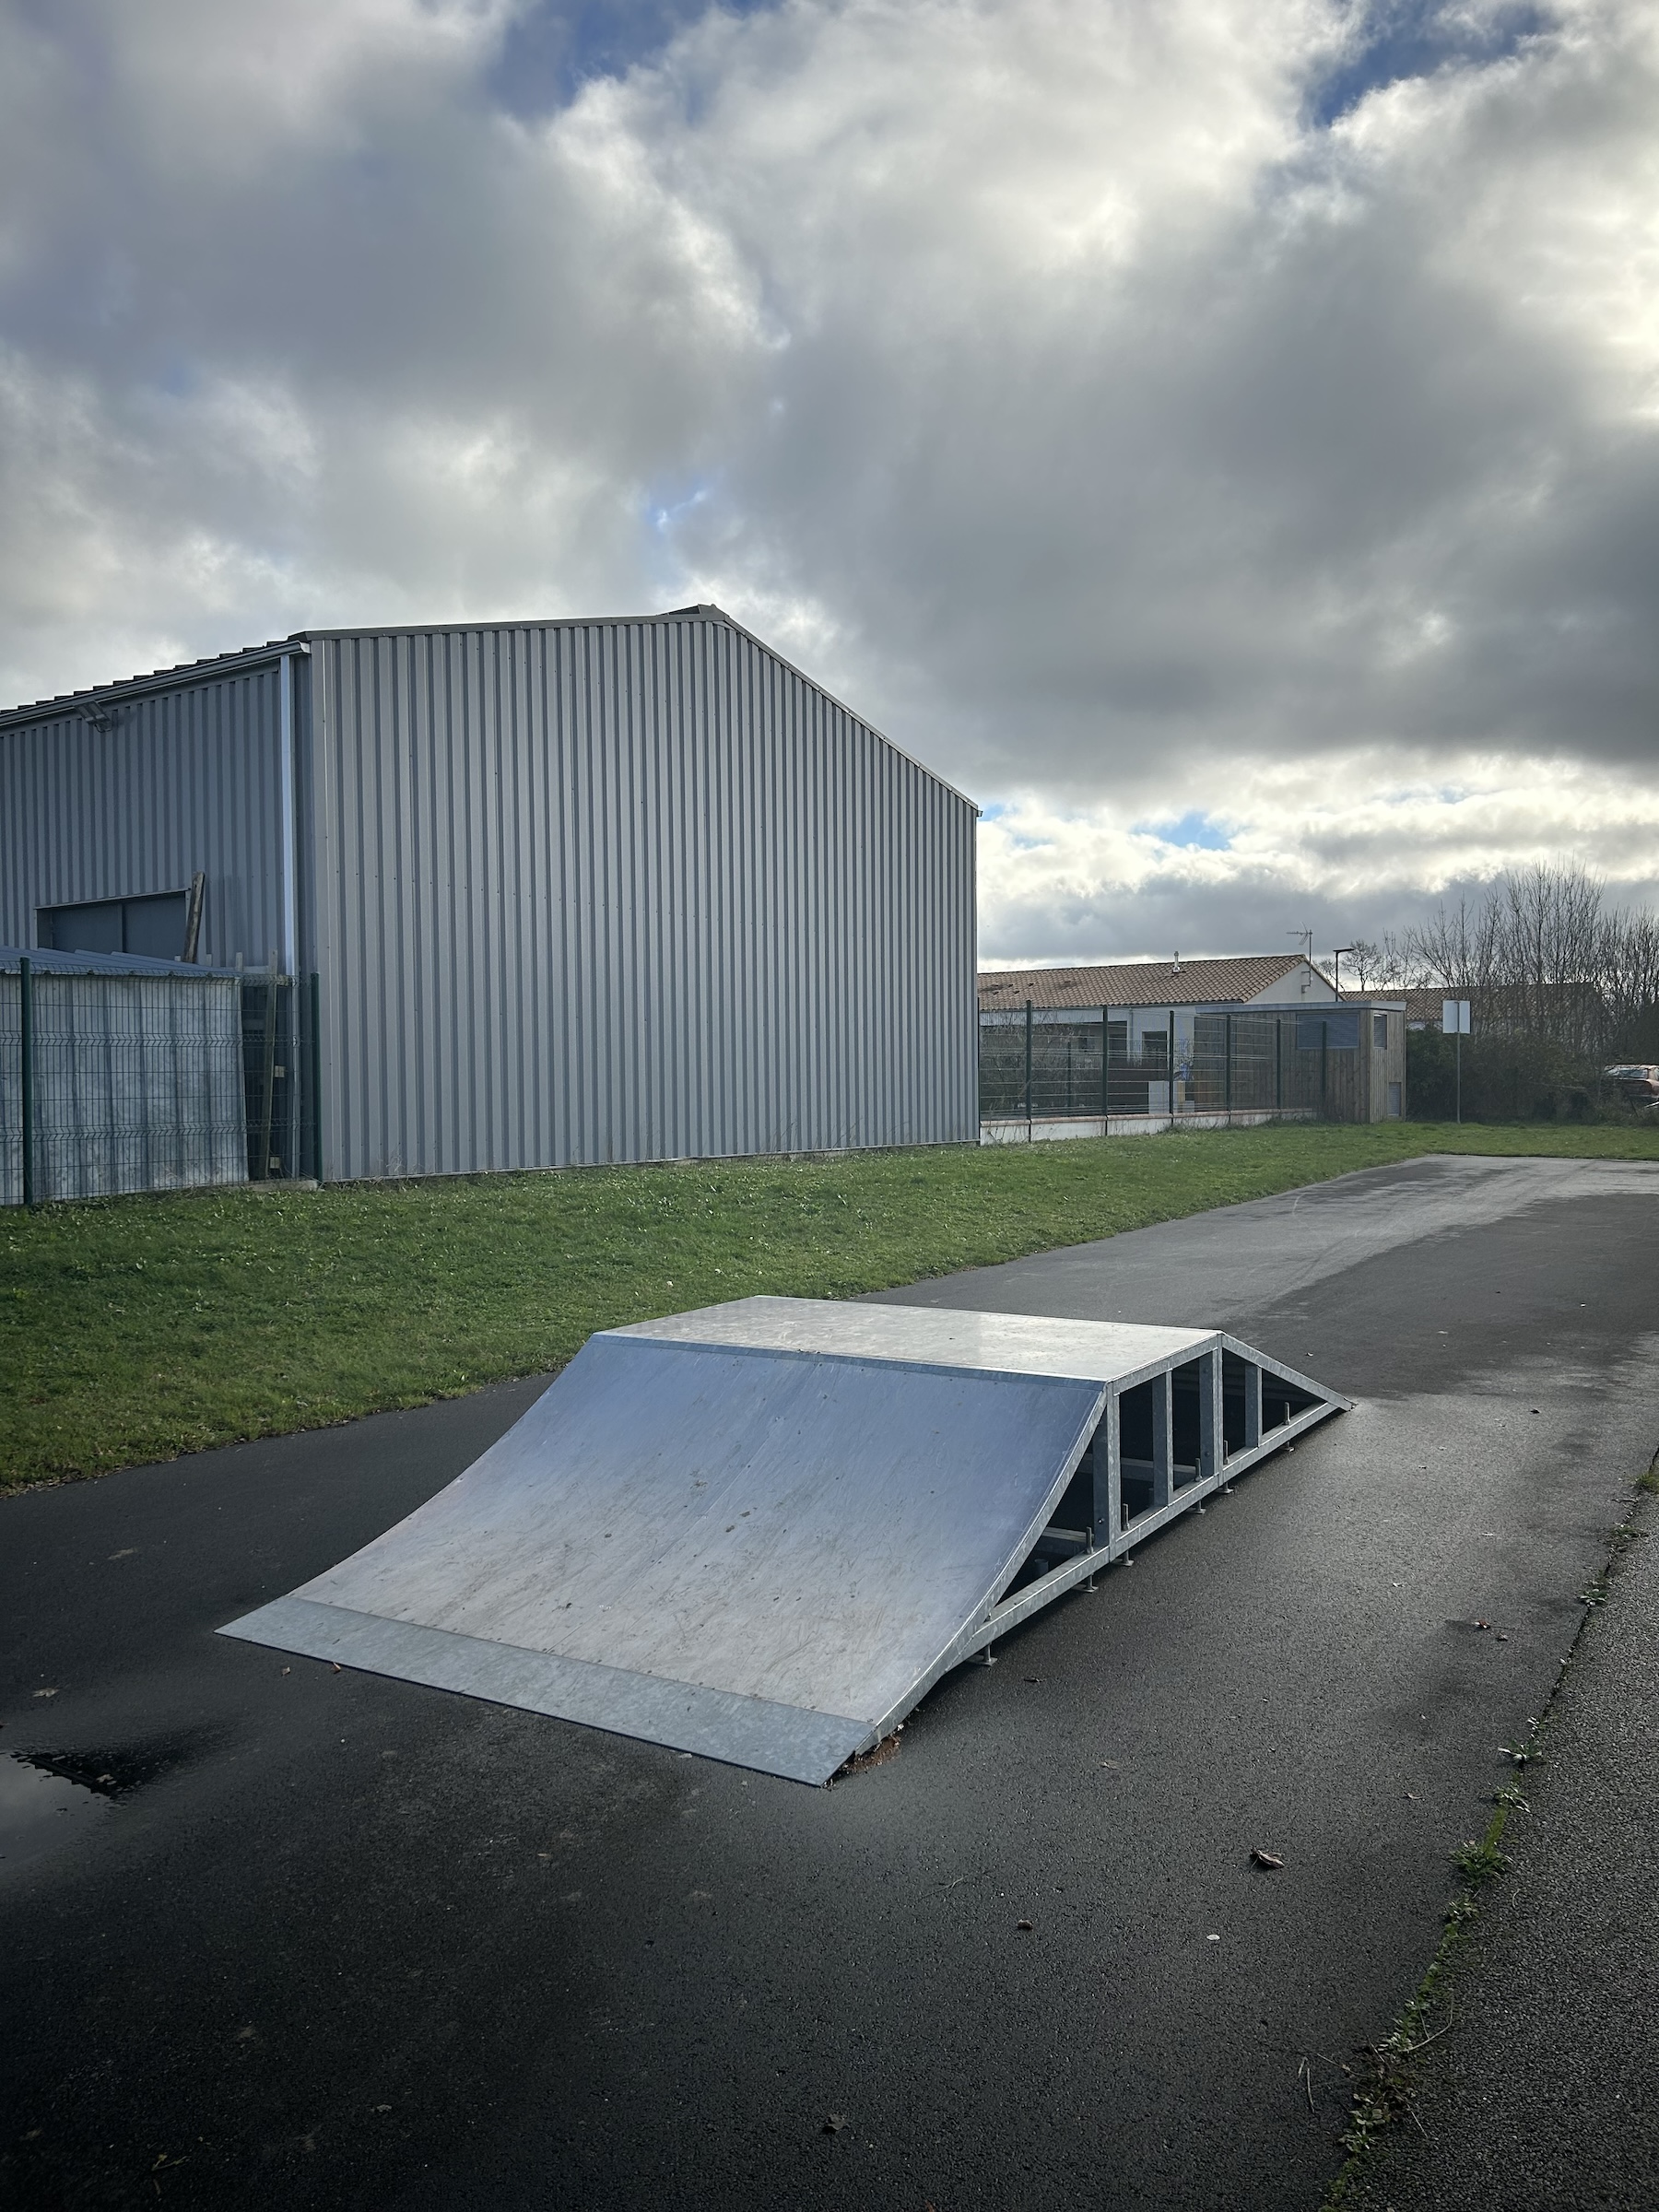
<point x="1252" y="979"/>
<point x="1140" y="1045"/>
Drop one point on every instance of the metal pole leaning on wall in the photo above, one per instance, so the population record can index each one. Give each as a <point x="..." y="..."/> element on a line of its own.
<point x="26" y="1039"/>
<point x="315" y="1043"/>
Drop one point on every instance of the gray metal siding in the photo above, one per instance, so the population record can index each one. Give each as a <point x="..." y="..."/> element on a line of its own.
<point x="179" y="779"/>
<point x="626" y="891"/>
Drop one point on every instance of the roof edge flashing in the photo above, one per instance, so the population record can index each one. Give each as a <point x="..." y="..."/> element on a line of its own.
<point x="87" y="706"/>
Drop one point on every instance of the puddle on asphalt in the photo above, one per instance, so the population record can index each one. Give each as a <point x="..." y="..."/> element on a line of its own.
<point x="45" y="1804"/>
<point x="48" y="1799"/>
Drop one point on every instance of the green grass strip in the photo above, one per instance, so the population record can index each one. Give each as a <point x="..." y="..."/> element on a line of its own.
<point x="137" y="1328"/>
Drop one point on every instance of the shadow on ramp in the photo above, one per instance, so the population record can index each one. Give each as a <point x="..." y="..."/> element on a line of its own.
<point x="763" y="1530"/>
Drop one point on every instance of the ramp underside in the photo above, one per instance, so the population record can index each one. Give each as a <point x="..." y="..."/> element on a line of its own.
<point x="758" y="1555"/>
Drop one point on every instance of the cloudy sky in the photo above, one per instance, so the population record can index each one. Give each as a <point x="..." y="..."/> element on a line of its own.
<point x="1222" y="436"/>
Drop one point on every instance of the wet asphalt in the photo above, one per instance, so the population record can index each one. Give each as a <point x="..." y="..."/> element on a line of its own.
<point x="330" y="1940"/>
<point x="1535" y="2086"/>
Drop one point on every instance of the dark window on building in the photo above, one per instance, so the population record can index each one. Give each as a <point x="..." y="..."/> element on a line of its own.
<point x="1379" y="1032"/>
<point x="1338" y="1032"/>
<point x="153" y="926"/>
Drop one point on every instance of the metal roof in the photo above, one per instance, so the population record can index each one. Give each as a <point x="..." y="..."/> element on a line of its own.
<point x="87" y="702"/>
<point x="1217" y="982"/>
<point x="160" y="679"/>
<point x="46" y="962"/>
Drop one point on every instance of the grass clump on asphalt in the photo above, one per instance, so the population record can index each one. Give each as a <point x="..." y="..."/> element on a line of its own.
<point x="133" y="1329"/>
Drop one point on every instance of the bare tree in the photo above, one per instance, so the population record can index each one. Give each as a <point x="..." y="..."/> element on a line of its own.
<point x="1543" y="955"/>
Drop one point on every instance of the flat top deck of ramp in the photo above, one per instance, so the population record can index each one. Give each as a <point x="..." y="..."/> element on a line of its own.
<point x="1008" y="1343"/>
<point x="761" y="1531"/>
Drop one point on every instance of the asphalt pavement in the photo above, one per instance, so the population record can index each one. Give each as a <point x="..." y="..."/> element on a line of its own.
<point x="1537" y="2089"/>
<point x="322" y="1939"/>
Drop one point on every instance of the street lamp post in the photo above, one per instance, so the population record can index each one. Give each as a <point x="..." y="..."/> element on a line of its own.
<point x="1336" y="954"/>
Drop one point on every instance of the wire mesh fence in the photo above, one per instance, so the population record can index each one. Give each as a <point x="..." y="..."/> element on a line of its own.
<point x="113" y="1083"/>
<point x="1039" y="1066"/>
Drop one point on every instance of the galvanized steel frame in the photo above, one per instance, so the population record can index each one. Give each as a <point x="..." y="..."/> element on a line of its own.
<point x="1092" y="1553"/>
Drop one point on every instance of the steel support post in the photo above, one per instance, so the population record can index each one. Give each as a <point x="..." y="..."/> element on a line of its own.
<point x="26" y="1039"/>
<point x="1252" y="1406"/>
<point x="1212" y="1450"/>
<point x="1163" y="1442"/>
<point x="1107" y="1511"/>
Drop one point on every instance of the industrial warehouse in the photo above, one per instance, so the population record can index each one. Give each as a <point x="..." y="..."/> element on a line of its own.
<point x="520" y="895"/>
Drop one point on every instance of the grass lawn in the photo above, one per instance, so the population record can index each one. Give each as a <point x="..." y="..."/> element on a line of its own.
<point x="136" y="1328"/>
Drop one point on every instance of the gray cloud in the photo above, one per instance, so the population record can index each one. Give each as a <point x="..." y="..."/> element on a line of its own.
<point x="1047" y="376"/>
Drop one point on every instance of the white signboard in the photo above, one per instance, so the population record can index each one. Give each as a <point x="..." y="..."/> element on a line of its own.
<point x="1454" y="1018"/>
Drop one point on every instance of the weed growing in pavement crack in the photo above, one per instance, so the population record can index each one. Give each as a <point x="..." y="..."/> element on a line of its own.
<point x="1387" y="2086"/>
<point x="1479" y="1862"/>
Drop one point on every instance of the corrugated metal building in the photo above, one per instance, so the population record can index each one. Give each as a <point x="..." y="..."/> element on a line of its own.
<point x="574" y="892"/>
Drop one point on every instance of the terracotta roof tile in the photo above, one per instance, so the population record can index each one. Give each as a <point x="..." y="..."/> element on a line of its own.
<point x="1139" y="983"/>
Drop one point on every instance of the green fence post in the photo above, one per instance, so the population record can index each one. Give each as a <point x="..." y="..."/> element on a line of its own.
<point x="268" y="1080"/>
<point x="315" y="1042"/>
<point x="1028" y="1115"/>
<point x="1227" y="1077"/>
<point x="26" y="1030"/>
<point x="1170" y="1071"/>
<point x="1105" y="1069"/>
<point x="1324" y="1062"/>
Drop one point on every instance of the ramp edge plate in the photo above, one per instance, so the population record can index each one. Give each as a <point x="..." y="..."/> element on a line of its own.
<point x="787" y="1740"/>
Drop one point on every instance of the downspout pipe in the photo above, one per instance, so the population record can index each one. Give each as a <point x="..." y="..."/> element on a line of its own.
<point x="290" y="861"/>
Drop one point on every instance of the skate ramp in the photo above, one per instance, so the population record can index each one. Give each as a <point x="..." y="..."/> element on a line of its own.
<point x="761" y="1532"/>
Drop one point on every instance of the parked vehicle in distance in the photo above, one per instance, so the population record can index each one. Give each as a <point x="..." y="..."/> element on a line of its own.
<point x="1638" y="1082"/>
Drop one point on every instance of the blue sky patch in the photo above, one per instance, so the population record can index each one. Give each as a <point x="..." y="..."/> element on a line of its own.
<point x="1414" y="38"/>
<point x="1192" y="829"/>
<point x="555" y="47"/>
<point x="668" y="505"/>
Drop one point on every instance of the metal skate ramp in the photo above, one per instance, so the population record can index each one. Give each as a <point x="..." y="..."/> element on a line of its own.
<point x="763" y="1529"/>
